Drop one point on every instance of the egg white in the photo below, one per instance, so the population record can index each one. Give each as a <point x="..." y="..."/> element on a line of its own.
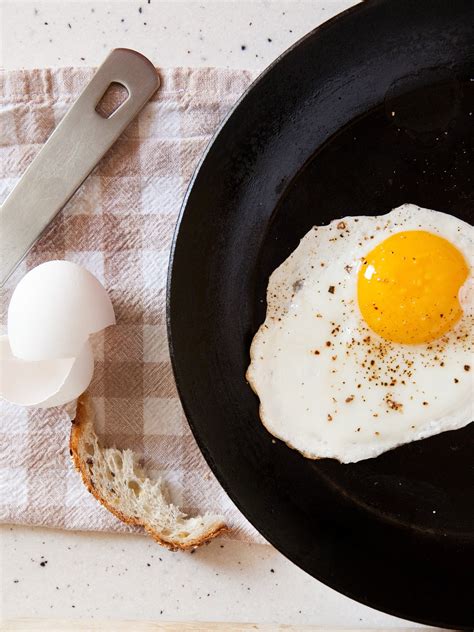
<point x="329" y="386"/>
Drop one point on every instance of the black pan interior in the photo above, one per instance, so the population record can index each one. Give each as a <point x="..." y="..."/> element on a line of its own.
<point x="374" y="109"/>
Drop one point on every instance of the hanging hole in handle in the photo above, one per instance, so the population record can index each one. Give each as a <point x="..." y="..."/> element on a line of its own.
<point x="114" y="97"/>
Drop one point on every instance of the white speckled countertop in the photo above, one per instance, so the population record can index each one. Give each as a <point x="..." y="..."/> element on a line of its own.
<point x="67" y="575"/>
<point x="243" y="34"/>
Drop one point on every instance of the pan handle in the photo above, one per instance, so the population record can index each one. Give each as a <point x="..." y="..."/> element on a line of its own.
<point x="72" y="151"/>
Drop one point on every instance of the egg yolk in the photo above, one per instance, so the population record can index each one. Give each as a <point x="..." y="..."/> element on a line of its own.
<point x="408" y="287"/>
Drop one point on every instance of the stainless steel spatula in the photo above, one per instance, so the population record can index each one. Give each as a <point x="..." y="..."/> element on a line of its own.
<point x="71" y="152"/>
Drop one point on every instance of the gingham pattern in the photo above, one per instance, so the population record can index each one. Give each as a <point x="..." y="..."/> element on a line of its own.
<point x="118" y="225"/>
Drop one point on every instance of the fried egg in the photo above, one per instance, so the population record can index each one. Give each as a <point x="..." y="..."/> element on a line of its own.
<point x="367" y="342"/>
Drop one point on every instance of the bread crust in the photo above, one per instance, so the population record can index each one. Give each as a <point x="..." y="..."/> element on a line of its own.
<point x="77" y="430"/>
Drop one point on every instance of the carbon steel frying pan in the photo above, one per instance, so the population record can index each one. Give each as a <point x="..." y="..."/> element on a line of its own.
<point x="313" y="139"/>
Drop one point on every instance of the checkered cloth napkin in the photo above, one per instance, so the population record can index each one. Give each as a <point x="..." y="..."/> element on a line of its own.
<point x="119" y="225"/>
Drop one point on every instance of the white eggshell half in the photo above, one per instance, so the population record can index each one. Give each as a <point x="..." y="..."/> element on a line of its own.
<point x="76" y="382"/>
<point x="54" y="309"/>
<point x="44" y="383"/>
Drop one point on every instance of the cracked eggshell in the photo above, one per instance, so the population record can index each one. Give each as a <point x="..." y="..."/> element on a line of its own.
<point x="44" y="383"/>
<point x="54" y="309"/>
<point x="76" y="382"/>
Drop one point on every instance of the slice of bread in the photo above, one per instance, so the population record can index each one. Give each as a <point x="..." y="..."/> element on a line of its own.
<point x="116" y="479"/>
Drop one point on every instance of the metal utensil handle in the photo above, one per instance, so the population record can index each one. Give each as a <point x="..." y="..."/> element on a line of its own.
<point x="72" y="151"/>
